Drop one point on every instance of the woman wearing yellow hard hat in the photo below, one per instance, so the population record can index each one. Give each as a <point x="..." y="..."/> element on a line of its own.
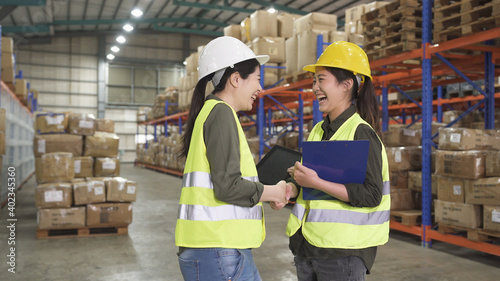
<point x="338" y="239"/>
<point x="220" y="215"/>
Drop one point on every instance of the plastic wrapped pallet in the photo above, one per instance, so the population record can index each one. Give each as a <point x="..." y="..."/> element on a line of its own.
<point x="233" y="30"/>
<point x="54" y="195"/>
<point x="81" y="124"/>
<point x="50" y="123"/>
<point x="61" y="218"/>
<point x="57" y="167"/>
<point x="101" y="145"/>
<point x="43" y="144"/>
<point x="263" y="24"/>
<point x="89" y="192"/>
<point x="84" y="167"/>
<point x="106" y="167"/>
<point x="462" y="164"/>
<point x="318" y="22"/>
<point x="274" y="47"/>
<point x="105" y="125"/>
<point x="120" y="190"/>
<point x="109" y="214"/>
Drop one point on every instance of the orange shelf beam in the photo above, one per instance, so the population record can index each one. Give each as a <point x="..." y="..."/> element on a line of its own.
<point x="166" y="118"/>
<point x="161" y="169"/>
<point x="464" y="242"/>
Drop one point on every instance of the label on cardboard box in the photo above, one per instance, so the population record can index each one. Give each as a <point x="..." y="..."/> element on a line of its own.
<point x="78" y="166"/>
<point x="53" y="196"/>
<point x="410" y="133"/>
<point x="86" y="124"/>
<point x="110" y="165"/>
<point x="41" y="146"/>
<point x="55" y="120"/>
<point x="131" y="189"/>
<point x="273" y="51"/>
<point x="98" y="190"/>
<point x="495" y="216"/>
<point x="455" y="138"/>
<point x="457" y="189"/>
<point x="397" y="156"/>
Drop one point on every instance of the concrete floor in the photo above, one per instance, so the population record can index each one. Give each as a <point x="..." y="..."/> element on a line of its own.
<point x="148" y="251"/>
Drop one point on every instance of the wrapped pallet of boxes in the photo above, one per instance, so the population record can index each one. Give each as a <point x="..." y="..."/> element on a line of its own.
<point x="120" y="190"/>
<point x="105" y="125"/>
<point x="81" y="124"/>
<point x="57" y="167"/>
<point x="458" y="214"/>
<point x="316" y="22"/>
<point x="84" y="166"/>
<point x="491" y="215"/>
<point x="109" y="214"/>
<point x="461" y="164"/>
<point x="274" y="47"/>
<point x="101" y="145"/>
<point x="89" y="192"/>
<point x="233" y="30"/>
<point x="263" y="24"/>
<point x="54" y="195"/>
<point x="43" y="144"/>
<point x="51" y="123"/>
<point x="61" y="218"/>
<point x="106" y="167"/>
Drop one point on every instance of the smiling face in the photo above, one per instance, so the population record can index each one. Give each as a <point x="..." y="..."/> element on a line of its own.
<point x="333" y="97"/>
<point x="249" y="90"/>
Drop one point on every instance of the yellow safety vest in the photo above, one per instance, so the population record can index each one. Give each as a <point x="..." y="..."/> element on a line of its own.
<point x="336" y="224"/>
<point x="203" y="220"/>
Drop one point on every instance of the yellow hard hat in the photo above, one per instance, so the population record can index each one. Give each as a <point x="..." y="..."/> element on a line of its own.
<point x="345" y="55"/>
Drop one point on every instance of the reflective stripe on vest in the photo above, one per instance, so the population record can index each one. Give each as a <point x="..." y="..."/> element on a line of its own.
<point x="336" y="224"/>
<point x="203" y="220"/>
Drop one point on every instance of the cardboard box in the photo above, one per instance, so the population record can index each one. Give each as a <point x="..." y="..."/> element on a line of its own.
<point x="61" y="218"/>
<point x="233" y="30"/>
<point x="285" y="24"/>
<point x="461" y="164"/>
<point x="410" y="137"/>
<point x="375" y="5"/>
<point x="58" y="143"/>
<point x="398" y="179"/>
<point x="354" y="13"/>
<point x="318" y="22"/>
<point x="484" y="191"/>
<point x="120" y="190"/>
<point x="492" y="164"/>
<point x="462" y="139"/>
<point x="491" y="216"/>
<point x="291" y="55"/>
<point x="337" y="36"/>
<point x="451" y="115"/>
<point x="50" y="123"/>
<point x="2" y="143"/>
<point x="54" y="195"/>
<point x="81" y="124"/>
<point x="458" y="214"/>
<point x="105" y="125"/>
<point x="263" y="24"/>
<point x="415" y="181"/>
<point x="306" y="50"/>
<point x="57" y="167"/>
<point x="407" y="158"/>
<point x="7" y="45"/>
<point x="402" y="199"/>
<point x="84" y="167"/>
<point x="89" y="192"/>
<point x="357" y="39"/>
<point x="3" y="119"/>
<point x="270" y="75"/>
<point x="8" y="68"/>
<point x="451" y="189"/>
<point x="109" y="214"/>
<point x="21" y="87"/>
<point x="101" y="145"/>
<point x="192" y="62"/>
<point x="107" y="167"/>
<point x="245" y="30"/>
<point x="274" y="47"/>
<point x="392" y="136"/>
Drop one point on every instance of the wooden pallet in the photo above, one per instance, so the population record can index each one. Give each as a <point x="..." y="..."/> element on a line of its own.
<point x="80" y="232"/>
<point x="409" y="217"/>
<point x="400" y="14"/>
<point x="297" y="76"/>
<point x="477" y="234"/>
<point x="402" y="36"/>
<point x="406" y="23"/>
<point x="400" y="48"/>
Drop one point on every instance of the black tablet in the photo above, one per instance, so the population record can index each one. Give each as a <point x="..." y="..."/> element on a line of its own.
<point x="272" y="168"/>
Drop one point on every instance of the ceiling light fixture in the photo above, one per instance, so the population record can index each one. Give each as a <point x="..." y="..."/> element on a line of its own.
<point x="185" y="62"/>
<point x="128" y="27"/>
<point x="120" y="39"/>
<point x="115" y="49"/>
<point x="271" y="10"/>
<point x="110" y="56"/>
<point x="136" y="13"/>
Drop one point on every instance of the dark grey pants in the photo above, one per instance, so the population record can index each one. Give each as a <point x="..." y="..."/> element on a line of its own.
<point x="349" y="268"/>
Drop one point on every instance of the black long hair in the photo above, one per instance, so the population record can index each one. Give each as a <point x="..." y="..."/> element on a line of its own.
<point x="365" y="99"/>
<point x="244" y="68"/>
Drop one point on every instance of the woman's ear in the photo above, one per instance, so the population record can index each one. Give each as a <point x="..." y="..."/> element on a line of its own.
<point x="348" y="84"/>
<point x="234" y="79"/>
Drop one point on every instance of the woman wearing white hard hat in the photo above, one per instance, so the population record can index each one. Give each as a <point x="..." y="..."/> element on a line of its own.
<point x="220" y="211"/>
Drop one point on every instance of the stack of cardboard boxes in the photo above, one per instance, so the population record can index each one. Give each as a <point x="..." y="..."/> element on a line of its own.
<point x="169" y="98"/>
<point x="468" y="185"/>
<point x="77" y="171"/>
<point x="8" y="62"/>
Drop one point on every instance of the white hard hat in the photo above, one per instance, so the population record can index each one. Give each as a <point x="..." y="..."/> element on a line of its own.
<point x="223" y="52"/>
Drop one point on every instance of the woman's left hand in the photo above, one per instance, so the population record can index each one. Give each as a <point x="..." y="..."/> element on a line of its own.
<point x="305" y="176"/>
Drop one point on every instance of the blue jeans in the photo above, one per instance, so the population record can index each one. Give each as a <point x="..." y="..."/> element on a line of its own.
<point x="350" y="268"/>
<point x="214" y="264"/>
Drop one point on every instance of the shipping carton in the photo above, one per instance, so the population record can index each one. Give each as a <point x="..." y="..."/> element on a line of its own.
<point x="50" y="123"/>
<point x="491" y="218"/>
<point x="402" y="199"/>
<point x="410" y="137"/>
<point x="415" y="181"/>
<point x="461" y="164"/>
<point x="106" y="167"/>
<point x="285" y="24"/>
<point x="398" y="179"/>
<point x="101" y="145"/>
<point x="105" y="125"/>
<point x="57" y="167"/>
<point x="54" y="195"/>
<point x="451" y="189"/>
<point x="7" y="45"/>
<point x="2" y="143"/>
<point x="58" y="143"/>
<point x="492" y="164"/>
<point x="484" y="191"/>
<point x="451" y="115"/>
<point x="337" y="36"/>
<point x="463" y="139"/>
<point x="84" y="167"/>
<point x="21" y="87"/>
<point x="458" y="214"/>
<point x="109" y="214"/>
<point x="233" y="30"/>
<point x="404" y="158"/>
<point x="120" y="190"/>
<point x="263" y="24"/>
<point x="89" y="192"/>
<point x="291" y="54"/>
<point x="8" y="68"/>
<point x="318" y="22"/>
<point x="81" y="124"/>
<point x="274" y="47"/>
<point x="392" y="136"/>
<point x="357" y="39"/>
<point x="306" y="49"/>
<point x="354" y="13"/>
<point x="61" y="218"/>
<point x="3" y="119"/>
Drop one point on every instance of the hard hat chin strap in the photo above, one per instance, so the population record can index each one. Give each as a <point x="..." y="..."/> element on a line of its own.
<point x="218" y="76"/>
<point x="360" y="79"/>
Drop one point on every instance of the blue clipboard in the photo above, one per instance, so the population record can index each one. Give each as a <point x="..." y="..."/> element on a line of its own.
<point x="336" y="161"/>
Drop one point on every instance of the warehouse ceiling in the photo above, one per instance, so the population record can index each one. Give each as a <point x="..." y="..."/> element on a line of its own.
<point x="49" y="18"/>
